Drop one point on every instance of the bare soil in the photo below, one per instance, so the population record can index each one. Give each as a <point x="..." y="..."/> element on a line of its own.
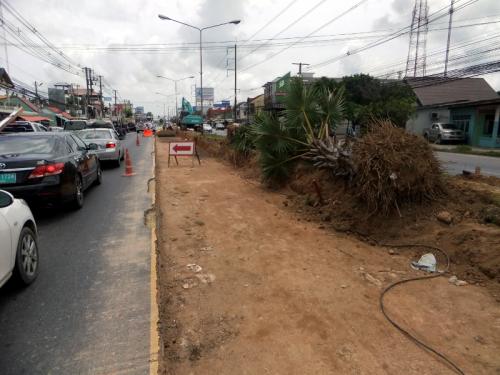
<point x="280" y="291"/>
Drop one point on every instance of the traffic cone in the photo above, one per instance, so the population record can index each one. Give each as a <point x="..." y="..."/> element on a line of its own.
<point x="128" y="165"/>
<point x="137" y="142"/>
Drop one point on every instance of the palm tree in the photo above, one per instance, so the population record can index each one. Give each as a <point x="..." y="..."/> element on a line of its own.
<point x="305" y="131"/>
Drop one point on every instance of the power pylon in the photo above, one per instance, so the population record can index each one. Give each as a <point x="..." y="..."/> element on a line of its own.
<point x="416" y="62"/>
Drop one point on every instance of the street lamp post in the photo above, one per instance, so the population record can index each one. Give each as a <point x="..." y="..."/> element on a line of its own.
<point x="175" y="84"/>
<point x="234" y="22"/>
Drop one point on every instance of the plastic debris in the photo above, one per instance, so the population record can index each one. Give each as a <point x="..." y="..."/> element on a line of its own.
<point x="427" y="262"/>
<point x="194" y="267"/>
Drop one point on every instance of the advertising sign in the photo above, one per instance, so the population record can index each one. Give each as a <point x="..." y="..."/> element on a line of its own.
<point x="208" y="93"/>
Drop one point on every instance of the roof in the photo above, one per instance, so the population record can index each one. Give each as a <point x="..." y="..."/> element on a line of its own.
<point x="434" y="91"/>
<point x="57" y="111"/>
<point x="30" y="105"/>
<point x="34" y="118"/>
<point x="5" y="80"/>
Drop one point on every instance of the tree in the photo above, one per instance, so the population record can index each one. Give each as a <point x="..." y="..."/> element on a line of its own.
<point x="368" y="97"/>
<point x="128" y="112"/>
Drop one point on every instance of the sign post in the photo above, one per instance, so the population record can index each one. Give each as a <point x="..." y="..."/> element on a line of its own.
<point x="184" y="148"/>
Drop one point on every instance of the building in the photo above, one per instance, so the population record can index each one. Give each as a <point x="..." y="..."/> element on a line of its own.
<point x="469" y="103"/>
<point x="30" y="112"/>
<point x="242" y="111"/>
<point x="255" y="106"/>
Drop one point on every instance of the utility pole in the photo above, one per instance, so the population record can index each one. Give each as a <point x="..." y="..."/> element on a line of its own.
<point x="87" y="79"/>
<point x="300" y="64"/>
<point x="235" y="83"/>
<point x="100" y="96"/>
<point x="5" y="40"/>
<point x="449" y="39"/>
<point x="115" y="101"/>
<point x="36" y="93"/>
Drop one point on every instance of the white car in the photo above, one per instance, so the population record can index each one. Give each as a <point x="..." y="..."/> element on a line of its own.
<point x="220" y="126"/>
<point x="207" y="128"/>
<point x="18" y="241"/>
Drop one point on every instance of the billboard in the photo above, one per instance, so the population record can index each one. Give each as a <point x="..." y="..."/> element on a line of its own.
<point x="208" y="94"/>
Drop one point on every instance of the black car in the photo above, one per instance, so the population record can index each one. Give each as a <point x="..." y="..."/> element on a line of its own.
<point x="48" y="167"/>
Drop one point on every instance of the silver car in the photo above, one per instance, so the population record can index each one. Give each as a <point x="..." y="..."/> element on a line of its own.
<point x="110" y="148"/>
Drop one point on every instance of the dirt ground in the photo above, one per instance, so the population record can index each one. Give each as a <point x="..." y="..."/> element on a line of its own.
<point x="250" y="285"/>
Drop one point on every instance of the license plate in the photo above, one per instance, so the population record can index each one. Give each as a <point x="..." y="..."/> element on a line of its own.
<point x="7" y="178"/>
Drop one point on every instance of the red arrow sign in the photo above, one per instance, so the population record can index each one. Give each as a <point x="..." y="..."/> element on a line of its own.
<point x="178" y="148"/>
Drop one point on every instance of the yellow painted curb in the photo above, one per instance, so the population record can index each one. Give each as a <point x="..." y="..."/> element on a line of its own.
<point x="154" y="338"/>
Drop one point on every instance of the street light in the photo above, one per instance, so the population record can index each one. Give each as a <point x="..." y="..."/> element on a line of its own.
<point x="166" y="96"/>
<point x="234" y="22"/>
<point x="175" y="82"/>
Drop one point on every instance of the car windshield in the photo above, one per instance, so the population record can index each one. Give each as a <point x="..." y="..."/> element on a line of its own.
<point x="449" y="126"/>
<point x="75" y="125"/>
<point x="26" y="145"/>
<point x="94" y="134"/>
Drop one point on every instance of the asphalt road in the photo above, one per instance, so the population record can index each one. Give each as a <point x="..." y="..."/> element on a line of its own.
<point x="456" y="163"/>
<point x="89" y="310"/>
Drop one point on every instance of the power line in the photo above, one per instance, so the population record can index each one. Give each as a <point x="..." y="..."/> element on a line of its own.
<point x="297" y="20"/>
<point x="271" y="20"/>
<point x="390" y="37"/>
<point x="311" y="33"/>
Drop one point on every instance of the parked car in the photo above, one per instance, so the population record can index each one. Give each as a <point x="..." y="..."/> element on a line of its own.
<point x="19" y="244"/>
<point x="219" y="126"/>
<point x="140" y="127"/>
<point x="75" y="125"/>
<point x="109" y="146"/>
<point x="441" y="132"/>
<point x="207" y="128"/>
<point x="56" y="129"/>
<point x="131" y="127"/>
<point x="48" y="167"/>
<point x="24" y="127"/>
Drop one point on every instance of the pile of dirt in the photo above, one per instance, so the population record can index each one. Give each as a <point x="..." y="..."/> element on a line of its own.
<point x="472" y="243"/>
<point x="387" y="173"/>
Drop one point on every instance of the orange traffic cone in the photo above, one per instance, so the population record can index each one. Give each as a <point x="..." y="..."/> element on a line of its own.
<point x="137" y="142"/>
<point x="128" y="165"/>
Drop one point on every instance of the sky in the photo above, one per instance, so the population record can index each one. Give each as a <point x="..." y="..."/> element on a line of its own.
<point x="126" y="42"/>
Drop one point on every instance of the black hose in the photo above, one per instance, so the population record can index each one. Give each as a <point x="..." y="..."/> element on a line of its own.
<point x="448" y="361"/>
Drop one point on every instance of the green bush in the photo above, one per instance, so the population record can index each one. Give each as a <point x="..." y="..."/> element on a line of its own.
<point x="243" y="140"/>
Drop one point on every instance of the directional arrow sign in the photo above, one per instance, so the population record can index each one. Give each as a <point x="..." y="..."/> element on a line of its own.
<point x="181" y="148"/>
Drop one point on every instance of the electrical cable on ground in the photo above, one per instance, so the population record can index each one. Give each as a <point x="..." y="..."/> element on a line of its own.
<point x="405" y="332"/>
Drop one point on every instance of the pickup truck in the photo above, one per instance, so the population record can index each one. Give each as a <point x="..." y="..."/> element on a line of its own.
<point x="441" y="132"/>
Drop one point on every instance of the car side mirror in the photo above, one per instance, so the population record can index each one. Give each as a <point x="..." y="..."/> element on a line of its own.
<point x="5" y="199"/>
<point x="92" y="146"/>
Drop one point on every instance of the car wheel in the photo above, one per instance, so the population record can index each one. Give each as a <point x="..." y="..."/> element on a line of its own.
<point x="26" y="268"/>
<point x="122" y="157"/>
<point x="426" y="137"/>
<point x="98" y="179"/>
<point x="78" y="193"/>
<point x="118" y="161"/>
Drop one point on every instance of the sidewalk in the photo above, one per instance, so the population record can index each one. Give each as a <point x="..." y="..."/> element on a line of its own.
<point x="248" y="287"/>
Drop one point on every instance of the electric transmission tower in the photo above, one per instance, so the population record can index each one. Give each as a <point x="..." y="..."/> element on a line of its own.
<point x="417" y="50"/>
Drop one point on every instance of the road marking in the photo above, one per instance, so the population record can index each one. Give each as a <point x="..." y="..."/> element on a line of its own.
<point x="154" y="347"/>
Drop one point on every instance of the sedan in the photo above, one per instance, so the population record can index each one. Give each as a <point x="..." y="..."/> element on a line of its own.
<point x="109" y="146"/>
<point x="48" y="167"/>
<point x="19" y="245"/>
